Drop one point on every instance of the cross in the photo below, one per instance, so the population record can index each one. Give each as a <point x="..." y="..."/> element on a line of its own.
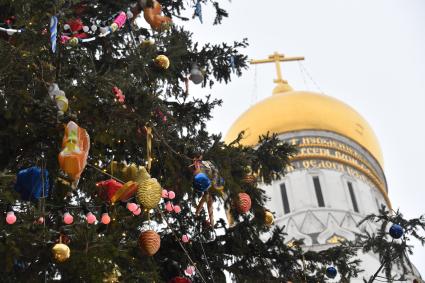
<point x="277" y="58"/>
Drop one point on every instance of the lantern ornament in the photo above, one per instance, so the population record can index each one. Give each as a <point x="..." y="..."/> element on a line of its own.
<point x="75" y="150"/>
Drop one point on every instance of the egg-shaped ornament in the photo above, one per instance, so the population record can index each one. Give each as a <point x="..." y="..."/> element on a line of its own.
<point x="149" y="193"/>
<point x="149" y="242"/>
<point x="331" y="272"/>
<point x="243" y="203"/>
<point x="162" y="62"/>
<point x="249" y="179"/>
<point x="61" y="252"/>
<point x="201" y="182"/>
<point x="396" y="231"/>
<point x="268" y="218"/>
<point x="196" y="75"/>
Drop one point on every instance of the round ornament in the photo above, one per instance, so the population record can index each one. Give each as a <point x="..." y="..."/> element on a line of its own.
<point x="268" y="218"/>
<point x="180" y="279"/>
<point x="149" y="242"/>
<point x="331" y="272"/>
<point x="243" y="203"/>
<point x="396" y="231"/>
<point x="201" y="182"/>
<point x="162" y="61"/>
<point x="149" y="193"/>
<point x="61" y="252"/>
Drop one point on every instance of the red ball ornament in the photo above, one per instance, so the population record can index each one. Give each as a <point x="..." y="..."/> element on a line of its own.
<point x="10" y="218"/>
<point x="180" y="279"/>
<point x="171" y="195"/>
<point x="137" y="211"/>
<point x="132" y="206"/>
<point x="106" y="219"/>
<point x="243" y="203"/>
<point x="177" y="208"/>
<point x="149" y="242"/>
<point x="68" y="218"/>
<point x="169" y="206"/>
<point x="91" y="218"/>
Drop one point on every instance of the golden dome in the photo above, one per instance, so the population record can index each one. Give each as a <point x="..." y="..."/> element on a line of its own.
<point x="288" y="111"/>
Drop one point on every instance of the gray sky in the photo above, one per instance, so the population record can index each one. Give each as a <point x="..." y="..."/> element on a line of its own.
<point x="369" y="54"/>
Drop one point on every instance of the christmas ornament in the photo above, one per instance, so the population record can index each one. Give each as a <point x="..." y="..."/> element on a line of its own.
<point x="198" y="11"/>
<point x="75" y="149"/>
<point x="10" y="215"/>
<point x="185" y="238"/>
<point x="32" y="183"/>
<point x="177" y="209"/>
<point x="118" y="94"/>
<point x="137" y="211"/>
<point x="153" y="16"/>
<point x="59" y="97"/>
<point x="196" y="75"/>
<point x="331" y="272"/>
<point x="68" y="218"/>
<point x="243" y="203"/>
<point x="249" y="179"/>
<point x="210" y="170"/>
<point x="180" y="279"/>
<point x="169" y="206"/>
<point x="164" y="193"/>
<point x="201" y="182"/>
<point x="232" y="63"/>
<point x="268" y="218"/>
<point x="149" y="242"/>
<point x="74" y="32"/>
<point x="53" y="32"/>
<point x="105" y="218"/>
<point x="61" y="252"/>
<point x="149" y="191"/>
<point x="162" y="61"/>
<point x="90" y="218"/>
<point x="190" y="270"/>
<point x="171" y="195"/>
<point x="131" y="206"/>
<point x="119" y="21"/>
<point x="396" y="231"/>
<point x="108" y="189"/>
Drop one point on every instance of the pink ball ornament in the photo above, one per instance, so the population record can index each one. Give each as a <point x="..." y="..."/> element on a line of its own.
<point x="131" y="206"/>
<point x="185" y="238"/>
<point x="137" y="211"/>
<point x="164" y="193"/>
<point x="177" y="208"/>
<point x="10" y="218"/>
<point x="68" y="218"/>
<point x="106" y="219"/>
<point x="91" y="218"/>
<point x="40" y="220"/>
<point x="190" y="270"/>
<point x="171" y="195"/>
<point x="169" y="206"/>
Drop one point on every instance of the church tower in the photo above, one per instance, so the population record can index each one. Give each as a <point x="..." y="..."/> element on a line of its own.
<point x="337" y="177"/>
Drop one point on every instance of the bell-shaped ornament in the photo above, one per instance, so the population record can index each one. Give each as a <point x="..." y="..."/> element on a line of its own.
<point x="196" y="75"/>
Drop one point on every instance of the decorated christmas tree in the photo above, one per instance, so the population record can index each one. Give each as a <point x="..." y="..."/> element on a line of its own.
<point x="107" y="170"/>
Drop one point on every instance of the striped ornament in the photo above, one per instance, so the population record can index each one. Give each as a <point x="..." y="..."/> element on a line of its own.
<point x="149" y="242"/>
<point x="53" y="32"/>
<point x="243" y="203"/>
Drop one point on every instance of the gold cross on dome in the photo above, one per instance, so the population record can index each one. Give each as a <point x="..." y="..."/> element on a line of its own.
<point x="277" y="58"/>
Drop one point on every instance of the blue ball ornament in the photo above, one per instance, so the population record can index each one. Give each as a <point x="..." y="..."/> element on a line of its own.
<point x="396" y="231"/>
<point x="201" y="182"/>
<point x="331" y="272"/>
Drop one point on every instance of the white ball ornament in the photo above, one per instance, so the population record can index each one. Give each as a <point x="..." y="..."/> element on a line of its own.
<point x="66" y="27"/>
<point x="86" y="28"/>
<point x="94" y="28"/>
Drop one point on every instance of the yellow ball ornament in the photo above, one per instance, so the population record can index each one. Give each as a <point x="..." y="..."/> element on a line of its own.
<point x="268" y="218"/>
<point x="61" y="252"/>
<point x="149" y="193"/>
<point x="162" y="61"/>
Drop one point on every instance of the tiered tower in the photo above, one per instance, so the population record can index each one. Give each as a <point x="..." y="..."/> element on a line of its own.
<point x="337" y="177"/>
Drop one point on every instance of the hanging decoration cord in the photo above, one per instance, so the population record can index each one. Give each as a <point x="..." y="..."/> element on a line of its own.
<point x="311" y="78"/>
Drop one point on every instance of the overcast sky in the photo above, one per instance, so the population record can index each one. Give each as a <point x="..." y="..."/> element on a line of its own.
<point x="369" y="54"/>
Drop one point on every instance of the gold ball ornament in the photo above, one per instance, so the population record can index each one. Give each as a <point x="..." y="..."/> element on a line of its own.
<point x="149" y="193"/>
<point x="162" y="61"/>
<point x="268" y="218"/>
<point x="149" y="242"/>
<point x="61" y="252"/>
